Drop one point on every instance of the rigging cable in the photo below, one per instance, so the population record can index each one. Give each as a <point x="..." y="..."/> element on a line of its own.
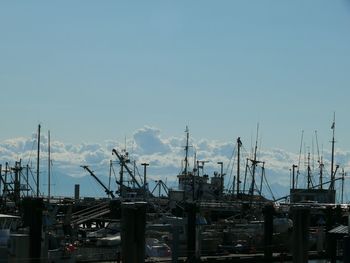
<point x="31" y="152"/>
<point x="301" y="145"/>
<point x="229" y="165"/>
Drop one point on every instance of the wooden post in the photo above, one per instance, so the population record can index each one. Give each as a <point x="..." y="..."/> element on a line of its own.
<point x="32" y="218"/>
<point x="76" y="192"/>
<point x="301" y="221"/>
<point x="175" y="244"/>
<point x="346" y="249"/>
<point x="191" y="232"/>
<point x="145" y="179"/>
<point x="133" y="232"/>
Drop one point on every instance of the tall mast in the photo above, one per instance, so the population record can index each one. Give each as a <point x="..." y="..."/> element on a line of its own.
<point x="5" y="192"/>
<point x="121" y="181"/>
<point x="38" y="163"/>
<point x="195" y="166"/>
<point x="239" y="144"/>
<point x="298" y="166"/>
<point x="321" y="173"/>
<point x="27" y="180"/>
<point x="320" y="162"/>
<point x="262" y="177"/>
<point x="49" y="168"/>
<point x="331" y="187"/>
<point x="110" y="175"/>
<point x="16" y="187"/>
<point x="186" y="151"/>
<point x="145" y="178"/>
<point x="254" y="161"/>
<point x="342" y="186"/>
<point x="308" y="172"/>
<point x="293" y="175"/>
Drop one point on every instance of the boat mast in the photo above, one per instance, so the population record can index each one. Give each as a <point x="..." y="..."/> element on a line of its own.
<point x="308" y="172"/>
<point x="5" y="193"/>
<point x="321" y="173"/>
<point x="110" y="175"/>
<point x="222" y="177"/>
<point x="186" y="151"/>
<point x="331" y="187"/>
<point x="293" y="175"/>
<point x="27" y="176"/>
<point x="320" y="162"/>
<point x="38" y="163"/>
<point x="262" y="177"/>
<point x="342" y="186"/>
<point x="49" y="168"/>
<point x="239" y="144"/>
<point x="254" y="162"/>
<point x="298" y="166"/>
<point x="195" y="163"/>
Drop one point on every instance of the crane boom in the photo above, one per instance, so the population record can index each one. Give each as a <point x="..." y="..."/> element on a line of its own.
<point x="108" y="192"/>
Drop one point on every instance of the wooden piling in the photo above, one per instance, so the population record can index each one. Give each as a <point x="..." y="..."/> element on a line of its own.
<point x="268" y="212"/>
<point x="32" y="218"/>
<point x="191" y="232"/>
<point x="133" y="232"/>
<point x="301" y="221"/>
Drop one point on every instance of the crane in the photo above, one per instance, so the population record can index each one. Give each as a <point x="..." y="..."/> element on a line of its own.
<point x="108" y="192"/>
<point x="123" y="164"/>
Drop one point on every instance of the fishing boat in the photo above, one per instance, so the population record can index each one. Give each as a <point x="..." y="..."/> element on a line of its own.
<point x="14" y="244"/>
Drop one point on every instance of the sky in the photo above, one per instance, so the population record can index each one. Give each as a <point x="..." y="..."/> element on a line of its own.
<point x="95" y="72"/>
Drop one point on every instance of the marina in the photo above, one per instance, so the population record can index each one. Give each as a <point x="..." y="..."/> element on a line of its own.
<point x="174" y="131"/>
<point x="198" y="222"/>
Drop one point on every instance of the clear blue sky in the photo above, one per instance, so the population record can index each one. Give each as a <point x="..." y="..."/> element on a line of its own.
<point x="96" y="70"/>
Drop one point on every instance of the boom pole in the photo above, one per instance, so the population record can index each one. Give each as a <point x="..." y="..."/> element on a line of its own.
<point x="108" y="192"/>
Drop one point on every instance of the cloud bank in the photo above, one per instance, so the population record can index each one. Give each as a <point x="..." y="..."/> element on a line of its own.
<point x="165" y="156"/>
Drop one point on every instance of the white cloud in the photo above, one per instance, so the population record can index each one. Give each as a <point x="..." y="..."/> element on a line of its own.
<point x="18" y="145"/>
<point x="148" y="141"/>
<point x="96" y="157"/>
